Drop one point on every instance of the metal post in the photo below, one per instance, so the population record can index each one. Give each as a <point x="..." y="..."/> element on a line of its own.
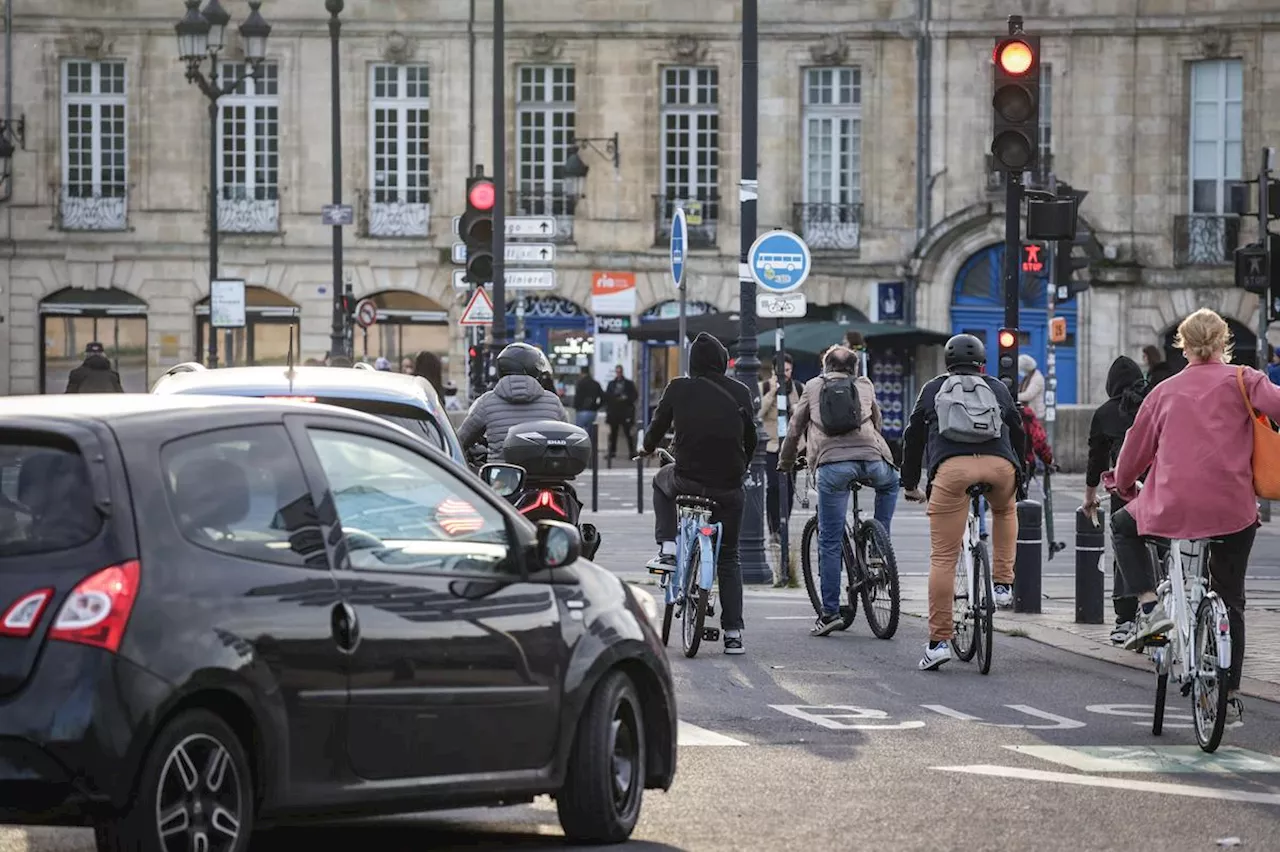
<point x="684" y="319"/>
<point x="1091" y="544"/>
<point x="338" y="333"/>
<point x="1012" y="245"/>
<point x="471" y="82"/>
<point x="755" y="568"/>
<point x="784" y="479"/>
<point x="499" y="178"/>
<point x="213" y="214"/>
<point x="1027" y="562"/>
<point x="640" y="473"/>
<point x="1051" y="358"/>
<point x="1264" y="238"/>
<point x="595" y="465"/>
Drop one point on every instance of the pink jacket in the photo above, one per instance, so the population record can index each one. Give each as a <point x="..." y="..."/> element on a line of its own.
<point x="1195" y="434"/>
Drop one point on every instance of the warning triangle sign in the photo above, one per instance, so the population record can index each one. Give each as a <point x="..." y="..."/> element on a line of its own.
<point x="479" y="310"/>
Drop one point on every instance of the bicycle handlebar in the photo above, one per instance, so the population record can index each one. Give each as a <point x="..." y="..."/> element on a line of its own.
<point x="660" y="453"/>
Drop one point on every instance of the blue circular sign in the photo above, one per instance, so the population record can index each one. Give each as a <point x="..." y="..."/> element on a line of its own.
<point x="679" y="230"/>
<point x="779" y="261"/>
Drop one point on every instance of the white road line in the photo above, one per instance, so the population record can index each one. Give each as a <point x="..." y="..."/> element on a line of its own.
<point x="690" y="734"/>
<point x="1189" y="790"/>
<point x="787" y="617"/>
<point x="1060" y="723"/>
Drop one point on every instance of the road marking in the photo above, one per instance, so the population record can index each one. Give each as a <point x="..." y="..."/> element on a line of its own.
<point x="689" y="734"/>
<point x="1189" y="790"/>
<point x="1227" y="760"/>
<point x="1172" y="718"/>
<point x="1060" y="723"/>
<point x="833" y="720"/>
<point x="788" y="617"/>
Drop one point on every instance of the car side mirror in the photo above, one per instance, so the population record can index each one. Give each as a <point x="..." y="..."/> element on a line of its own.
<point x="559" y="544"/>
<point x="506" y="479"/>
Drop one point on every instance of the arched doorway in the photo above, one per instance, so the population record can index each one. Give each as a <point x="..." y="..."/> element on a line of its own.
<point x="977" y="307"/>
<point x="1244" y="352"/>
<point x="271" y="322"/>
<point x="72" y="318"/>
<point x="408" y="323"/>
<point x="560" y="328"/>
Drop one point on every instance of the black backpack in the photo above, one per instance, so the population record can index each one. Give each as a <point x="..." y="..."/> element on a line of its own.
<point x="839" y="408"/>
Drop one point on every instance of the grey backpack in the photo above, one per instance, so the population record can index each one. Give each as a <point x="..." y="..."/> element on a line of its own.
<point x="967" y="410"/>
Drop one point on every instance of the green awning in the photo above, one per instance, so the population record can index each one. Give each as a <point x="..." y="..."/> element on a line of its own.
<point x="812" y="338"/>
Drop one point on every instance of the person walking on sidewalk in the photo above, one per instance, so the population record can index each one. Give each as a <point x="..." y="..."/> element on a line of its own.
<point x="588" y="396"/>
<point x="1194" y="432"/>
<point x="969" y="427"/>
<point x="1031" y="384"/>
<point x="1158" y="368"/>
<point x="769" y="390"/>
<point x="620" y="411"/>
<point x="95" y="375"/>
<point x="1126" y="388"/>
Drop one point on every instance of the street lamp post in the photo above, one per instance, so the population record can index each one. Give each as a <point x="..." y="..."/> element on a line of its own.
<point x="338" y="333"/>
<point x="201" y="36"/>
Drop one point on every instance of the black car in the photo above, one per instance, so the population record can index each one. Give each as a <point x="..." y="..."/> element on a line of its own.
<point x="222" y="614"/>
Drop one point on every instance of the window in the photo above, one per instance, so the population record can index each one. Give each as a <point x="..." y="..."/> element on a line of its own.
<point x="249" y="151"/>
<point x="94" y="146"/>
<point x="46" y="503"/>
<point x="401" y="512"/>
<point x="690" y="150"/>
<point x="830" y="216"/>
<point x="241" y="492"/>
<point x="399" y="151"/>
<point x="546" y="118"/>
<point x="1216" y="133"/>
<point x="416" y="420"/>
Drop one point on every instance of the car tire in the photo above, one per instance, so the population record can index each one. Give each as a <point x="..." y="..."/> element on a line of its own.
<point x="604" y="787"/>
<point x="195" y="778"/>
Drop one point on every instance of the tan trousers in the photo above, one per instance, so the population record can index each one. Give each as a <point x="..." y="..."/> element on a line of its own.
<point x="949" y="510"/>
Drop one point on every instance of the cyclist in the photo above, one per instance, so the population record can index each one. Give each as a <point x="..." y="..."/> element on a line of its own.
<point x="520" y="396"/>
<point x="1193" y="430"/>
<point x="971" y="428"/>
<point x="714" y="442"/>
<point x="840" y="420"/>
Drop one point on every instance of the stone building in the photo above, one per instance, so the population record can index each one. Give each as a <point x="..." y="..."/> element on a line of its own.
<point x="1155" y="107"/>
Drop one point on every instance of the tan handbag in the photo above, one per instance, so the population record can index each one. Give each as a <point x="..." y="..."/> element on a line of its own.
<point x="1266" y="448"/>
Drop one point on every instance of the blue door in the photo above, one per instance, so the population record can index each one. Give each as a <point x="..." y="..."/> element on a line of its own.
<point x="977" y="307"/>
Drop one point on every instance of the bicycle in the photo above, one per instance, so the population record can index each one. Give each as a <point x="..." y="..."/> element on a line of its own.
<point x="973" y="609"/>
<point x="691" y="583"/>
<point x="871" y="567"/>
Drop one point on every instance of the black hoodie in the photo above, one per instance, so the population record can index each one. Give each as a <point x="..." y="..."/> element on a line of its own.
<point x="708" y="409"/>
<point x="1126" y="388"/>
<point x="94" y="376"/>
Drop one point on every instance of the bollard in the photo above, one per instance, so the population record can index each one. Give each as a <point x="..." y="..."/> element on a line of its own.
<point x="1091" y="544"/>
<point x="1026" y="567"/>
<point x="595" y="465"/>
<point x="639" y="473"/>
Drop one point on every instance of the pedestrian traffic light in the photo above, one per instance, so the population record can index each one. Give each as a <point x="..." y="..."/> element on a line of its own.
<point x="1035" y="258"/>
<point x="476" y="230"/>
<point x="1015" y="143"/>
<point x="1007" y="359"/>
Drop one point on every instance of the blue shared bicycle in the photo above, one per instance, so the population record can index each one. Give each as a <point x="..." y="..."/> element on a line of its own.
<point x="688" y="589"/>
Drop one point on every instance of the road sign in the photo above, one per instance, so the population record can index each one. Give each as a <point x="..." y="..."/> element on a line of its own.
<point x="521" y="226"/>
<point x="517" y="279"/>
<point x="678" y="233"/>
<point x="337" y="214"/>
<point x="227" y="303"/>
<point x="514" y="252"/>
<point x="366" y="313"/>
<point x="479" y="310"/>
<point x="1253" y="271"/>
<point x="781" y="305"/>
<point x="612" y="324"/>
<point x="1058" y="330"/>
<point x="892" y="301"/>
<point x="1035" y="258"/>
<point x="779" y="261"/>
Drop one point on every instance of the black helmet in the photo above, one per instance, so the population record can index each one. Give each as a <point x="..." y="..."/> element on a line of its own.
<point x="521" y="359"/>
<point x="965" y="350"/>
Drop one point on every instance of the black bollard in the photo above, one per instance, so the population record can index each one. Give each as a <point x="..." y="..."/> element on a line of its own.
<point x="639" y="473"/>
<point x="1026" y="568"/>
<point x="1091" y="544"/>
<point x="595" y="466"/>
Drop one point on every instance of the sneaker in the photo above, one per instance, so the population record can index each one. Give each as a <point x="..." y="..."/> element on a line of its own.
<point x="1148" y="624"/>
<point x="1004" y="596"/>
<point x="733" y="643"/>
<point x="662" y="564"/>
<point x="826" y="624"/>
<point x="1121" y="632"/>
<point x="935" y="656"/>
<point x="1235" y="712"/>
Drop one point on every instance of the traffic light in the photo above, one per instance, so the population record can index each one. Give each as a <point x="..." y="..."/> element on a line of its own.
<point x="1035" y="258"/>
<point x="476" y="230"/>
<point x="1068" y="264"/>
<point x="476" y="364"/>
<point x="1273" y="297"/>
<point x="1007" y="359"/>
<point x="1015" y="143"/>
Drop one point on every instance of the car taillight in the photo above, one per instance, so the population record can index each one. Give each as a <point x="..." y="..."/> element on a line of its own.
<point x="21" y="619"/>
<point x="97" y="611"/>
<point x="545" y="500"/>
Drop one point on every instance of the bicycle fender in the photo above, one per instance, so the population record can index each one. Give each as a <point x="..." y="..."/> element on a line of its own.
<point x="710" y="557"/>
<point x="1222" y="629"/>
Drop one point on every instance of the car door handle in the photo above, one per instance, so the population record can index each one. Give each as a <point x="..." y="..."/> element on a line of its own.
<point x="346" y="629"/>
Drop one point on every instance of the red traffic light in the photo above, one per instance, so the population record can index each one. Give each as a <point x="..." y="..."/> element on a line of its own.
<point x="1015" y="57"/>
<point x="1007" y="338"/>
<point x="481" y="196"/>
<point x="1032" y="257"/>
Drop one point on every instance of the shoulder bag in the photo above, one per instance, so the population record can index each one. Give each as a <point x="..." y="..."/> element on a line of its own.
<point x="1266" y="448"/>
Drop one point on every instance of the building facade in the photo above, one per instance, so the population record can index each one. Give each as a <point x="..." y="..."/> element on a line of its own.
<point x="1155" y="107"/>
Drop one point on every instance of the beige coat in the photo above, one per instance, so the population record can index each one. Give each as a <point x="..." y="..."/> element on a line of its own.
<point x="864" y="444"/>
<point x="769" y="412"/>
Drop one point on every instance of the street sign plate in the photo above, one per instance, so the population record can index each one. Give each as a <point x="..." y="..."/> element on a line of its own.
<point x="227" y="303"/>
<point x="1058" y="330"/>
<point x="1253" y="271"/>
<point x="513" y="252"/>
<point x="335" y="215"/>
<point x="457" y="226"/>
<point x="891" y="300"/>
<point x="521" y="226"/>
<point x="779" y="261"/>
<point x="612" y="324"/>
<point x="479" y="310"/>
<point x="678" y="232"/>
<point x="459" y="253"/>
<point x="781" y="305"/>
<point x="516" y="279"/>
<point x="366" y="313"/>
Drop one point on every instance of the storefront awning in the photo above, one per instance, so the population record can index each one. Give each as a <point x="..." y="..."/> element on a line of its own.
<point x="722" y="326"/>
<point x="813" y="338"/>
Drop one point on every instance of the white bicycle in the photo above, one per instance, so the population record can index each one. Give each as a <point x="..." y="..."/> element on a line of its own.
<point x="973" y="610"/>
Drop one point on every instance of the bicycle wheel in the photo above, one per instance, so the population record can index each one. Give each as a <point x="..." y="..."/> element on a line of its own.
<point x="1209" y="682"/>
<point x="879" y="591"/>
<point x="695" y="605"/>
<point x="964" y="639"/>
<point x="984" y="608"/>
<point x="812" y="578"/>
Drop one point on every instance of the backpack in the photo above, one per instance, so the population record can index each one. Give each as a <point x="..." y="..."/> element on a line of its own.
<point x="967" y="410"/>
<point x="839" y="408"/>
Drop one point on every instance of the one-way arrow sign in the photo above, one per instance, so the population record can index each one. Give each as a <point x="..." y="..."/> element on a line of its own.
<point x="521" y="226"/>
<point x="514" y="252"/>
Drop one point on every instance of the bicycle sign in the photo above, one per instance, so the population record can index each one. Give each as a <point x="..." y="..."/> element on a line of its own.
<point x="779" y="261"/>
<point x="781" y="305"/>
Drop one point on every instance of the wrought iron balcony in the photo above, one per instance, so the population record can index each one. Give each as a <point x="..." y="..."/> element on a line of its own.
<point x="557" y="204"/>
<point x="79" y="210"/>
<point x="1205" y="239"/>
<point x="241" y="211"/>
<point x="385" y="215"/>
<point x="827" y="226"/>
<point x="702" y="216"/>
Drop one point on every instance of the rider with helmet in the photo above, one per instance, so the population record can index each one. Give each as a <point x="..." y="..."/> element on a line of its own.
<point x="521" y="395"/>
<point x="969" y="426"/>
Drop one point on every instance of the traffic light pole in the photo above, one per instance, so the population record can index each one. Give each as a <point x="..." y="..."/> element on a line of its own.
<point x="1050" y="355"/>
<point x="338" y="333"/>
<point x="499" y="338"/>
<point x="1012" y="245"/>
<point x="1264" y="238"/>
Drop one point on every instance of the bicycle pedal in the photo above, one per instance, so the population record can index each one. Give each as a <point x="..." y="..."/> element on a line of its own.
<point x="1156" y="641"/>
<point x="711" y="634"/>
<point x="661" y="572"/>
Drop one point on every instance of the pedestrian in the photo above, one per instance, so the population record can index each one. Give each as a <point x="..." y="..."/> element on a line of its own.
<point x="406" y="365"/>
<point x="95" y="375"/>
<point x="452" y="402"/>
<point x="1031" y="384"/>
<point x="382" y="365"/>
<point x="1157" y="368"/>
<point x="1038" y="451"/>
<point x="588" y="396"/>
<point x="620" y="411"/>
<point x="428" y="366"/>
<point x="769" y="389"/>
<point x="1126" y="388"/>
<point x="1273" y="368"/>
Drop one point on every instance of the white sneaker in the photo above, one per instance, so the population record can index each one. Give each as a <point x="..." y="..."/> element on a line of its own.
<point x="935" y="657"/>
<point x="1004" y="596"/>
<point x="1148" y="624"/>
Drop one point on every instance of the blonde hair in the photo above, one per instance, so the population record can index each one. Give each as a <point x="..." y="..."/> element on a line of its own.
<point x="1203" y="336"/>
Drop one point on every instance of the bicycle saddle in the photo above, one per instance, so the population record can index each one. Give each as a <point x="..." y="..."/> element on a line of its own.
<point x="691" y="500"/>
<point x="978" y="489"/>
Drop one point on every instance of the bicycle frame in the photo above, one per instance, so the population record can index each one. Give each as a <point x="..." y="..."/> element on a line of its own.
<point x="1182" y="591"/>
<point x="694" y="528"/>
<point x="974" y="531"/>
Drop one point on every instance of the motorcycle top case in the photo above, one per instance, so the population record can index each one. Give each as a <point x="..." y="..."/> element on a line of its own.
<point x="548" y="449"/>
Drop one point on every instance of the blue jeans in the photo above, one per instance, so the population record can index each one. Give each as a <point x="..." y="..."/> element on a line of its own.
<point x="585" y="420"/>
<point x="833" y="505"/>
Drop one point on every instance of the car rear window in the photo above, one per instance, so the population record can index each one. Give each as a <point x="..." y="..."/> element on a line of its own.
<point x="416" y="420"/>
<point x="46" y="501"/>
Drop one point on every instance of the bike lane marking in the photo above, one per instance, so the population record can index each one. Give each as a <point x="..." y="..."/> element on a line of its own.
<point x="689" y="734"/>
<point x="1058" y="723"/>
<point x="842" y="717"/>
<point x="1172" y="718"/>
<point x="1188" y="790"/>
<point x="1228" y="760"/>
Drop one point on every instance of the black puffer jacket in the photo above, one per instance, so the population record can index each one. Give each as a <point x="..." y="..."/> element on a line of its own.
<point x="1126" y="388"/>
<point x="94" y="376"/>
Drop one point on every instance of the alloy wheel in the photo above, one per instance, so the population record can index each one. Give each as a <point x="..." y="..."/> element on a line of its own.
<point x="199" y="800"/>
